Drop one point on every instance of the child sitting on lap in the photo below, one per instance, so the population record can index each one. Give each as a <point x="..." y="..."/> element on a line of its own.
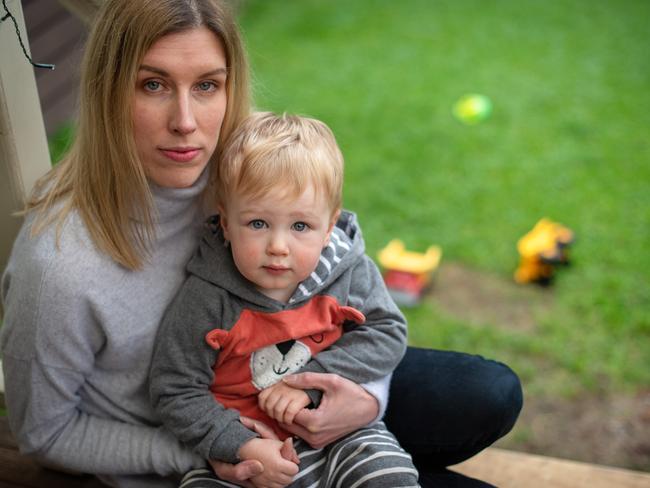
<point x="280" y="284"/>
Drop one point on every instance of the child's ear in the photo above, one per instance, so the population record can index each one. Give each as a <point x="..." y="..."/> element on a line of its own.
<point x="223" y="221"/>
<point x="333" y="221"/>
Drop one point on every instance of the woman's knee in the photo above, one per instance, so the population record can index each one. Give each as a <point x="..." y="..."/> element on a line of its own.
<point x="441" y="399"/>
<point x="504" y="399"/>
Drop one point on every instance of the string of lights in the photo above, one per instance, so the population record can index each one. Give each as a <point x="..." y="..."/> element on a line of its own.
<point x="9" y="15"/>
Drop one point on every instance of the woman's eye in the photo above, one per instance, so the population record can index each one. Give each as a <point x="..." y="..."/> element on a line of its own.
<point x="257" y="224"/>
<point x="300" y="226"/>
<point x="152" y="85"/>
<point x="207" y="86"/>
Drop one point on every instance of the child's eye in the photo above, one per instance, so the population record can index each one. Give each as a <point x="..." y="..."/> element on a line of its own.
<point x="257" y="224"/>
<point x="300" y="226"/>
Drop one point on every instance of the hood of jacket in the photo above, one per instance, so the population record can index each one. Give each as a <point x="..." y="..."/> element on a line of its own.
<point x="213" y="262"/>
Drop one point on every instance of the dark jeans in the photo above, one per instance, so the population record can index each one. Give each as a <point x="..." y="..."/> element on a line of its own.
<point x="446" y="406"/>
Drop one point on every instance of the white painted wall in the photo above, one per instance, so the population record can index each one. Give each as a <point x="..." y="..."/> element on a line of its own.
<point x="24" y="155"/>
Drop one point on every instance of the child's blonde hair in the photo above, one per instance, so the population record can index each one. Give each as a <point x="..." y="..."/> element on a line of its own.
<point x="268" y="151"/>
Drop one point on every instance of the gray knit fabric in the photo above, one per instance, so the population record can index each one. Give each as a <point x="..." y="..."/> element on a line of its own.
<point x="76" y="344"/>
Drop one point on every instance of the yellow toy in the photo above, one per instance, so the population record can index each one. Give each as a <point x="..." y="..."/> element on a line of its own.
<point x="541" y="250"/>
<point x="407" y="273"/>
<point x="472" y="108"/>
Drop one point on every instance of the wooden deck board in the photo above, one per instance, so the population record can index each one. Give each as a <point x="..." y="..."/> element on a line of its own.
<point x="509" y="469"/>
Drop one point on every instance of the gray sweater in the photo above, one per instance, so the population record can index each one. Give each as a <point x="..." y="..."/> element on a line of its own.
<point x="76" y="347"/>
<point x="216" y="296"/>
<point x="77" y="340"/>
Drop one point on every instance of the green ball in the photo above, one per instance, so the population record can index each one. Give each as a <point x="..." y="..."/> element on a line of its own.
<point x="472" y="108"/>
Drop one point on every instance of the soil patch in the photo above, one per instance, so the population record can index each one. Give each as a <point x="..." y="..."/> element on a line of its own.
<point x="484" y="299"/>
<point x="606" y="429"/>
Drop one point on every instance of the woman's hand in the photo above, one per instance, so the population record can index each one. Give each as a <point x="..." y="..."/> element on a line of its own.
<point x="241" y="472"/>
<point x="344" y="408"/>
<point x="237" y="473"/>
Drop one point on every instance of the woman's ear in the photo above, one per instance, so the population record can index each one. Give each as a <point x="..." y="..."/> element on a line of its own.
<point x="334" y="219"/>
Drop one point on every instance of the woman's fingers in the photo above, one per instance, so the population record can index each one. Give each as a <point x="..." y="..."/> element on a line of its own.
<point x="318" y="381"/>
<point x="239" y="473"/>
<point x="345" y="407"/>
<point x="260" y="427"/>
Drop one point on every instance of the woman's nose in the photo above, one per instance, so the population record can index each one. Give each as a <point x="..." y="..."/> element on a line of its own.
<point x="182" y="120"/>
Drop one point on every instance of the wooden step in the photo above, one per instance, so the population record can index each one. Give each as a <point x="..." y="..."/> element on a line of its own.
<point x="510" y="469"/>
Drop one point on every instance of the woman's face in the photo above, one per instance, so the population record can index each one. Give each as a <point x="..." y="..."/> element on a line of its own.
<point x="179" y="106"/>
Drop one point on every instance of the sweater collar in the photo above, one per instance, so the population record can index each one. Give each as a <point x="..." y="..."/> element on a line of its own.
<point x="170" y="203"/>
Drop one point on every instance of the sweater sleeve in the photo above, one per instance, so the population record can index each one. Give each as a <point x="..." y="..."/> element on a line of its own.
<point x="49" y="342"/>
<point x="370" y="351"/>
<point x="181" y="375"/>
<point x="75" y="440"/>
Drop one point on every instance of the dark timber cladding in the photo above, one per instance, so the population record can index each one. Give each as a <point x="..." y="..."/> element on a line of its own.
<point x="56" y="36"/>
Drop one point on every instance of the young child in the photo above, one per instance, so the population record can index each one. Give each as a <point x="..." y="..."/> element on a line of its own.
<point x="280" y="284"/>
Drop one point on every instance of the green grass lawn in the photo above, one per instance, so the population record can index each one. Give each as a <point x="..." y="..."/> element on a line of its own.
<point x="568" y="139"/>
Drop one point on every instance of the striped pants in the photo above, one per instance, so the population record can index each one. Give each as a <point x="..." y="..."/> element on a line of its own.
<point x="369" y="457"/>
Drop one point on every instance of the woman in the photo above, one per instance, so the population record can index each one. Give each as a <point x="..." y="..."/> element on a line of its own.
<point x="102" y="252"/>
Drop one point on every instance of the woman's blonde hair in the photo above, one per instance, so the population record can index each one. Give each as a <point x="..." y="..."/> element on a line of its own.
<point x="102" y="176"/>
<point x="269" y="151"/>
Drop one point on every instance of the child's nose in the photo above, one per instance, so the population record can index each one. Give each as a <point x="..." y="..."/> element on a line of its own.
<point x="278" y="245"/>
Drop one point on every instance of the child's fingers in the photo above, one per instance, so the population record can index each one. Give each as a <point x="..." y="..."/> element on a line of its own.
<point x="279" y="407"/>
<point x="288" y="452"/>
<point x="288" y="469"/>
<point x="267" y="483"/>
<point x="290" y="412"/>
<point x="282" y="477"/>
<point x="266" y="399"/>
<point x="262" y="398"/>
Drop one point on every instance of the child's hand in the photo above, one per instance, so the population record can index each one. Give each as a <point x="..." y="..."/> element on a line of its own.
<point x="278" y="472"/>
<point x="245" y="470"/>
<point x="282" y="402"/>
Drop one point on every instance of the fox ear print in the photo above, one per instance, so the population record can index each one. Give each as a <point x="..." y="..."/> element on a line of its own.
<point x="352" y="314"/>
<point x="217" y="338"/>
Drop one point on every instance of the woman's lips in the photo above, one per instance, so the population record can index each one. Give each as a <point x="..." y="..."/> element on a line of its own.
<point x="181" y="155"/>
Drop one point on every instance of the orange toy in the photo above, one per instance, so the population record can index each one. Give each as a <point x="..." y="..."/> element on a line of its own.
<point x="541" y="250"/>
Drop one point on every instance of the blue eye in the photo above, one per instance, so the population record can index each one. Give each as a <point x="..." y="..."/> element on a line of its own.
<point x="257" y="224"/>
<point x="300" y="226"/>
<point x="152" y="85"/>
<point x="207" y="86"/>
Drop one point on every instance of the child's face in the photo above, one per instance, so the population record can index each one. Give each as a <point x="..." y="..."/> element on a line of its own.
<point x="276" y="243"/>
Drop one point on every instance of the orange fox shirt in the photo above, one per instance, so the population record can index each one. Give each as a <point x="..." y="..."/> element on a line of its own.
<point x="261" y="348"/>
